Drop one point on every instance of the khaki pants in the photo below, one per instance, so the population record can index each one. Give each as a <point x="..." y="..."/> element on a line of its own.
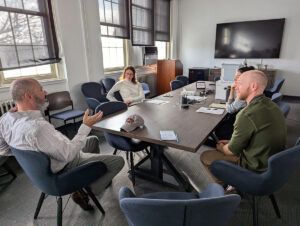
<point x="91" y="152"/>
<point x="208" y="157"/>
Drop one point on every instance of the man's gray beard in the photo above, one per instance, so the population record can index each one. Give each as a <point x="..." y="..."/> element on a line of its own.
<point x="43" y="106"/>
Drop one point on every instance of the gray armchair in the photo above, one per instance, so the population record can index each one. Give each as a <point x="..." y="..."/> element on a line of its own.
<point x="211" y="207"/>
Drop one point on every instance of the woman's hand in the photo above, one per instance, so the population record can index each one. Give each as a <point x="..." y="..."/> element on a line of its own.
<point x="127" y="102"/>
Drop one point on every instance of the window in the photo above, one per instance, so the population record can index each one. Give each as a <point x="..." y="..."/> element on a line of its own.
<point x="27" y="38"/>
<point x="114" y="19"/>
<point x="113" y="53"/>
<point x="161" y="50"/>
<point x="142" y="22"/>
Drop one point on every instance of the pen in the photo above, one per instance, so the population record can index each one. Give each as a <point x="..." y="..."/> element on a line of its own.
<point x="177" y="140"/>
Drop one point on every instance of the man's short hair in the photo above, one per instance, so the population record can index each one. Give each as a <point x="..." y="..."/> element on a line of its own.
<point x="19" y="87"/>
<point x="258" y="76"/>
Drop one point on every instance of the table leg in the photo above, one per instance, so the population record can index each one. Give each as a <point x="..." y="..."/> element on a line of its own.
<point x="156" y="172"/>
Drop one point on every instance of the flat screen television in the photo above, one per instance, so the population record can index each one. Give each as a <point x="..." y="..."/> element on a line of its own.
<point x="250" y="39"/>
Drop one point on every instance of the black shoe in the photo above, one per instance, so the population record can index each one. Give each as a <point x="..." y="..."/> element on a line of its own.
<point x="81" y="198"/>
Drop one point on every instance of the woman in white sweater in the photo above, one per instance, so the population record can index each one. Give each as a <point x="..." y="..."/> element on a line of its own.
<point x="128" y="86"/>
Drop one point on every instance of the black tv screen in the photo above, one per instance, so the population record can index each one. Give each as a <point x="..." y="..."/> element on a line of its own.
<point x="251" y="39"/>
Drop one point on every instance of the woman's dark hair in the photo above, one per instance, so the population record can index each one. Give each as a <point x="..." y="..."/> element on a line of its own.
<point x="244" y="69"/>
<point x="134" y="78"/>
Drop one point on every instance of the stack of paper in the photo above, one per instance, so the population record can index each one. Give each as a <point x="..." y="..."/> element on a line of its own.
<point x="168" y="135"/>
<point x="196" y="98"/>
<point x="214" y="111"/>
<point x="214" y="105"/>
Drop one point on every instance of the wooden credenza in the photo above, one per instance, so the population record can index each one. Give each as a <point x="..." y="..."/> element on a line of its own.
<point x="167" y="70"/>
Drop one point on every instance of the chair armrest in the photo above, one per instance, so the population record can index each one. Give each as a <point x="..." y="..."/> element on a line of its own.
<point x="213" y="190"/>
<point x="125" y="192"/>
<point x="92" y="102"/>
<point x="237" y="176"/>
<point x="80" y="177"/>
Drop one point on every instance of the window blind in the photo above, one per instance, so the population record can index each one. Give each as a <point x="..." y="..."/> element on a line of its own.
<point x="142" y="22"/>
<point x="114" y="18"/>
<point x="27" y="34"/>
<point x="162" y="20"/>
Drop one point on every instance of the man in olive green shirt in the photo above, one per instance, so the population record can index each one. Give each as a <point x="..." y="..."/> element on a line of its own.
<point x="259" y="129"/>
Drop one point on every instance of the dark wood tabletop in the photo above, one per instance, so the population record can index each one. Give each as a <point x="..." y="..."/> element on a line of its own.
<point x="192" y="128"/>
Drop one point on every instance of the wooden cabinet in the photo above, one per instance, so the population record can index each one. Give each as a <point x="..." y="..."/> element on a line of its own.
<point x="167" y="70"/>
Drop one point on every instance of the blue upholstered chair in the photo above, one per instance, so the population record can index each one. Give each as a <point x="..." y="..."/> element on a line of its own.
<point x="146" y="88"/>
<point x="182" y="78"/>
<point x="119" y="142"/>
<point x="37" y="167"/>
<point x="217" y="78"/>
<point x="176" y="84"/>
<point x="275" y="89"/>
<point x="284" y="107"/>
<point x="280" y="167"/>
<point x="276" y="97"/>
<point x="107" y="84"/>
<point x="92" y="92"/>
<point x="62" y="100"/>
<point x="211" y="207"/>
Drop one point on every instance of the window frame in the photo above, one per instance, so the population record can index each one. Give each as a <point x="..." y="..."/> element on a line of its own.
<point x="125" y="51"/>
<point x="49" y="33"/>
<point x="50" y="76"/>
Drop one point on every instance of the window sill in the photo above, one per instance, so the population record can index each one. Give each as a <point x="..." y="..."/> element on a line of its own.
<point x="6" y="88"/>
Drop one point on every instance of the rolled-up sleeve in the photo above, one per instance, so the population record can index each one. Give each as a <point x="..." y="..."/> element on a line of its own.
<point x="58" y="146"/>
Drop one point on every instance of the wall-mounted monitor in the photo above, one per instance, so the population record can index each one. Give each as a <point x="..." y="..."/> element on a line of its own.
<point x="250" y="39"/>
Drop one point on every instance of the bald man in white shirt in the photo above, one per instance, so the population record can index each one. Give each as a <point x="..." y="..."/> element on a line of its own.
<point x="25" y="128"/>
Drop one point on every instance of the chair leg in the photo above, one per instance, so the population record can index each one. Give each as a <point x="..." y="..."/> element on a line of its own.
<point x="132" y="168"/>
<point x="274" y="203"/>
<point x="59" y="211"/>
<point x="8" y="169"/>
<point x="127" y="155"/>
<point x="115" y="151"/>
<point x="91" y="194"/>
<point x="40" y="203"/>
<point x="254" y="209"/>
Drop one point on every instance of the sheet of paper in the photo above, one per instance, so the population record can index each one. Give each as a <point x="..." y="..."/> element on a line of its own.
<point x="214" y="111"/>
<point x="155" y="101"/>
<point x="214" y="105"/>
<point x="168" y="135"/>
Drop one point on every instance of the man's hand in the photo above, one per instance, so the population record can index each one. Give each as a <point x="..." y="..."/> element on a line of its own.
<point x="220" y="146"/>
<point x="14" y="109"/>
<point x="223" y="142"/>
<point x="127" y="102"/>
<point x="233" y="85"/>
<point x="91" y="120"/>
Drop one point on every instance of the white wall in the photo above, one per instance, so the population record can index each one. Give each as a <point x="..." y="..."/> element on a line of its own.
<point x="198" y="19"/>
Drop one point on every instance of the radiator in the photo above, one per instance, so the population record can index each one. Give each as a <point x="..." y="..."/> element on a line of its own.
<point x="5" y="105"/>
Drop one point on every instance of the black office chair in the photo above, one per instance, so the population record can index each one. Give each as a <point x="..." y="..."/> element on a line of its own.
<point x="182" y="78"/>
<point x="176" y="84"/>
<point x="123" y="143"/>
<point x="37" y="167"/>
<point x="92" y="92"/>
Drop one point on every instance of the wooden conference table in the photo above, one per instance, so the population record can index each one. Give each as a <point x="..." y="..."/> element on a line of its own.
<point x="191" y="127"/>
